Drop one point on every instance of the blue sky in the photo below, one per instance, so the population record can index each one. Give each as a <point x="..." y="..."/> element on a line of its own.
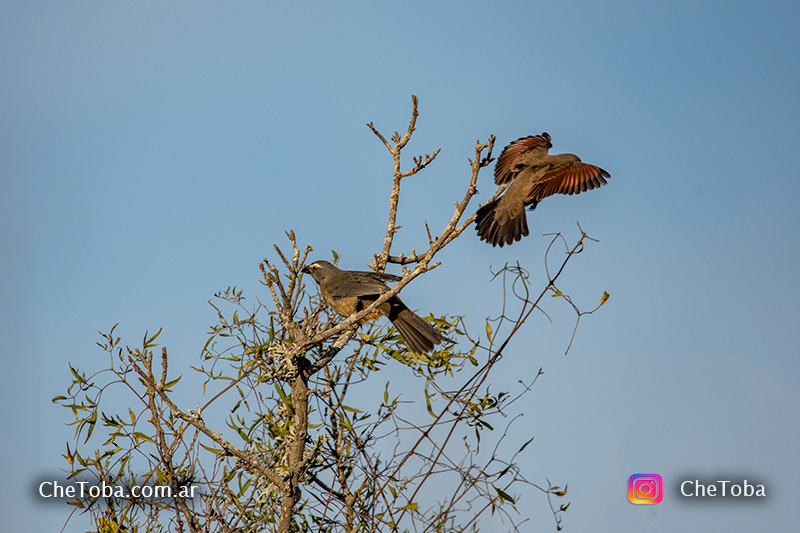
<point x="150" y="155"/>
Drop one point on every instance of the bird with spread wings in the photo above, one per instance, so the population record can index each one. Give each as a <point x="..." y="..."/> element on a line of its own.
<point x="533" y="174"/>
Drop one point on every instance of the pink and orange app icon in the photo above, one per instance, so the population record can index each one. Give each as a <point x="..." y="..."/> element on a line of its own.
<point x="645" y="489"/>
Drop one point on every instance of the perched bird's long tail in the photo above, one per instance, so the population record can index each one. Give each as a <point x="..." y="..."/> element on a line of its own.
<point x="420" y="336"/>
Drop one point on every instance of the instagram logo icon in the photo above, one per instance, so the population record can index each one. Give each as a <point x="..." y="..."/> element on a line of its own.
<point x="645" y="489"/>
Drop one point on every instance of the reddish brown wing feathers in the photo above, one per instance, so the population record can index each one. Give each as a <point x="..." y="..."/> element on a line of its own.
<point x="504" y="169"/>
<point x="572" y="178"/>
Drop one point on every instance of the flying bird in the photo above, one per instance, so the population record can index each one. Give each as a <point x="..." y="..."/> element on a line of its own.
<point x="350" y="291"/>
<point x="533" y="175"/>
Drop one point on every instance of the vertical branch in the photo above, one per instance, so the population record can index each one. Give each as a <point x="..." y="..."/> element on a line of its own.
<point x="297" y="445"/>
<point x="394" y="198"/>
<point x="420" y="162"/>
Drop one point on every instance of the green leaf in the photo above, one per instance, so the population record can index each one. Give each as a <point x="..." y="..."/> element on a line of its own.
<point x="148" y="343"/>
<point x="139" y="436"/>
<point x="411" y="506"/>
<point x="428" y="403"/>
<point x="525" y="445"/>
<point x="80" y="378"/>
<point x="504" y="496"/>
<point x="169" y="385"/>
<point x="91" y="421"/>
<point x="214" y="451"/>
<point x="285" y="399"/>
<point x="271" y="330"/>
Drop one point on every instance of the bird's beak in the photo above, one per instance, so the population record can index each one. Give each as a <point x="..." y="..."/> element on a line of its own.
<point x="306" y="270"/>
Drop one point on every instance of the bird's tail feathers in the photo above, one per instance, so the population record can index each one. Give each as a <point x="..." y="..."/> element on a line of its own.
<point x="420" y="336"/>
<point x="497" y="233"/>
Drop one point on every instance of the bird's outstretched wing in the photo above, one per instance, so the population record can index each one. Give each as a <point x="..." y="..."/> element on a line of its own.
<point x="504" y="170"/>
<point x="573" y="178"/>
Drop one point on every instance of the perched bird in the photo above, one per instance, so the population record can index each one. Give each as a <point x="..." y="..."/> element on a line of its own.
<point x="533" y="175"/>
<point x="349" y="291"/>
